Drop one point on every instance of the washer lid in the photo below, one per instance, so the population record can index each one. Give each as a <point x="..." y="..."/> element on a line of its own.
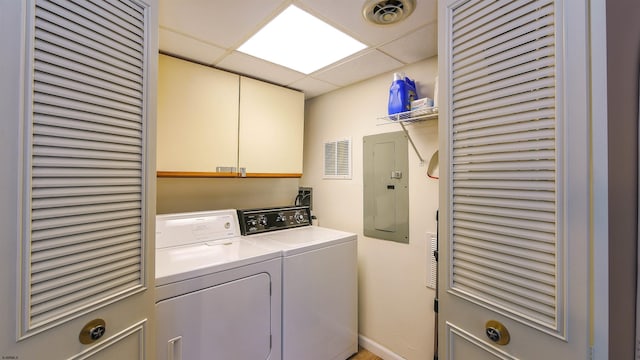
<point x="298" y="240"/>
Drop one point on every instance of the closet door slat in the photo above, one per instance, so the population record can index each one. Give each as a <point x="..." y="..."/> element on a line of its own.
<point x="85" y="167"/>
<point x="504" y="235"/>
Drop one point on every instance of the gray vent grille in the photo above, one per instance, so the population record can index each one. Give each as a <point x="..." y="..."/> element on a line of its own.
<point x="387" y="12"/>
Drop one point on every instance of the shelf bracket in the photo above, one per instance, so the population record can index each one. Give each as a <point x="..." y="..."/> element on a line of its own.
<point x="412" y="144"/>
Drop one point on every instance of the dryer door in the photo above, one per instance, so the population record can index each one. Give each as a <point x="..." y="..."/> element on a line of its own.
<point x="227" y="321"/>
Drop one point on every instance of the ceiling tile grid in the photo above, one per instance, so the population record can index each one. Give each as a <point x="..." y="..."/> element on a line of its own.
<point x="209" y="32"/>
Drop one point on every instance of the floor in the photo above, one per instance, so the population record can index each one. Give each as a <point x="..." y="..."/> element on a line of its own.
<point x="363" y="354"/>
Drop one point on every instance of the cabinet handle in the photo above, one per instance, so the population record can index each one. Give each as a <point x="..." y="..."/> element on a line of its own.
<point x="226" y="169"/>
<point x="174" y="348"/>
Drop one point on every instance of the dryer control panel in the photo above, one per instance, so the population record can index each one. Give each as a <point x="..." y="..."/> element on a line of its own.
<point x="254" y="221"/>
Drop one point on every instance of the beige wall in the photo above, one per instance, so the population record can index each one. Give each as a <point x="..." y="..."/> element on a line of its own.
<point x="395" y="306"/>
<point x="623" y="60"/>
<point x="184" y="195"/>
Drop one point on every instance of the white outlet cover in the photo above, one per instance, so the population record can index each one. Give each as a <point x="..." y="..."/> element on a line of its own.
<point x="432" y="264"/>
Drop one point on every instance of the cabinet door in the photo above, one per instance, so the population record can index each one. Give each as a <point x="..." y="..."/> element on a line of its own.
<point x="271" y="128"/>
<point x="197" y="117"/>
<point x="78" y="150"/>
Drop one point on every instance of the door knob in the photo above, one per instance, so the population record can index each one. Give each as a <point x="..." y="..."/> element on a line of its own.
<point x="92" y="331"/>
<point x="497" y="332"/>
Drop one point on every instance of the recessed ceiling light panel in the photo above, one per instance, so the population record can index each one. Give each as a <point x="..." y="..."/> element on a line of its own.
<point x="300" y="41"/>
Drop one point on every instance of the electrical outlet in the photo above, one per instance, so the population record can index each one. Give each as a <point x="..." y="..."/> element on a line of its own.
<point x="432" y="264"/>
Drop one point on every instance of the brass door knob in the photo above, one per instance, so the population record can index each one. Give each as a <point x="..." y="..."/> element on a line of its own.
<point x="92" y="331"/>
<point x="497" y="332"/>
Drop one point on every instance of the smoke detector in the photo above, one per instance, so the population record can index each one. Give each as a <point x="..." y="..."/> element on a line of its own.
<point x="387" y="12"/>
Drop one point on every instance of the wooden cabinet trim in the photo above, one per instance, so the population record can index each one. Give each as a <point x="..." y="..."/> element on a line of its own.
<point x="195" y="174"/>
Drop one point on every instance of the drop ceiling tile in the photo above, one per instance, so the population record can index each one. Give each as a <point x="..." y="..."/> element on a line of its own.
<point x="189" y="48"/>
<point x="206" y="30"/>
<point x="347" y="16"/>
<point x="416" y="46"/>
<point x="312" y="87"/>
<point x="253" y="67"/>
<point x="358" y="68"/>
<point x="224" y="23"/>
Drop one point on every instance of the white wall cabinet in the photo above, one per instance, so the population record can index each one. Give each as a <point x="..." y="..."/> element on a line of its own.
<point x="208" y="118"/>
<point x="197" y="117"/>
<point x="271" y="129"/>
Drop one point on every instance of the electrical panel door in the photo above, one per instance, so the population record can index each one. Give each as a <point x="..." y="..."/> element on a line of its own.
<point x="386" y="187"/>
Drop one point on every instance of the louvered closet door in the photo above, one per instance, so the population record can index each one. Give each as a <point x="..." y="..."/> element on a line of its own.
<point x="514" y="199"/>
<point x="86" y="198"/>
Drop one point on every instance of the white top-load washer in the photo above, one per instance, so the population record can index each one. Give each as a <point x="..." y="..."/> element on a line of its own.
<point x="319" y="282"/>
<point x="218" y="295"/>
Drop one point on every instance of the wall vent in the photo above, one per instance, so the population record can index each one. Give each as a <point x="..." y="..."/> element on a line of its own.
<point x="337" y="159"/>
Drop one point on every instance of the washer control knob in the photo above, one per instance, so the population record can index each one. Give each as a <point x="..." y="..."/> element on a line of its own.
<point x="280" y="217"/>
<point x="299" y="217"/>
<point x="262" y="220"/>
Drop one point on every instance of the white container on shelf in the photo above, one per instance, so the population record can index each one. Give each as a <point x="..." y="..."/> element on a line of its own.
<point x="420" y="104"/>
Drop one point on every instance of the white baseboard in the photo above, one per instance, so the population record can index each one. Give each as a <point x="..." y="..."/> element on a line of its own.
<point x="378" y="349"/>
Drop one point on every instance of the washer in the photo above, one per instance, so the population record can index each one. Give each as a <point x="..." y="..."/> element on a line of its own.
<point x="319" y="282"/>
<point x="218" y="296"/>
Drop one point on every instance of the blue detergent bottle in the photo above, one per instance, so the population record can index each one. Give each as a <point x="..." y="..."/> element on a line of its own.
<point x="398" y="95"/>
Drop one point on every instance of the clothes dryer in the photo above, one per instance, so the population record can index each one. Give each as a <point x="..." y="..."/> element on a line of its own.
<point x="218" y="296"/>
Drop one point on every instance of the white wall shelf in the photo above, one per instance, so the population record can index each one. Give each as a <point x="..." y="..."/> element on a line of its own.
<point x="407" y="117"/>
<point x="429" y="113"/>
